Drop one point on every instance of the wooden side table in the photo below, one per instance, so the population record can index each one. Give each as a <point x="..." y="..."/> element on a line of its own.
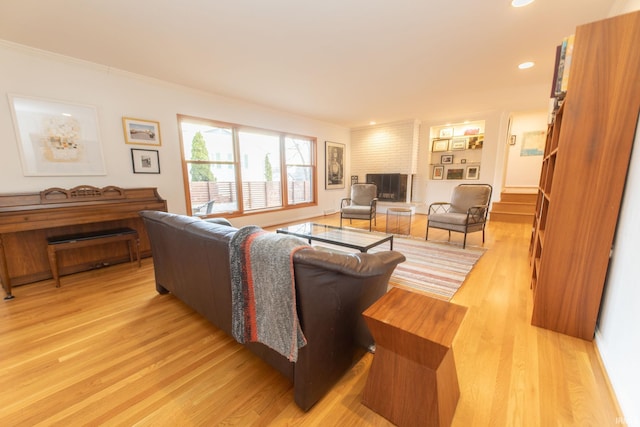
<point x="399" y="220"/>
<point x="413" y="378"/>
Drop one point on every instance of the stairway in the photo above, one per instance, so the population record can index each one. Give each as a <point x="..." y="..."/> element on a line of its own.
<point x="514" y="207"/>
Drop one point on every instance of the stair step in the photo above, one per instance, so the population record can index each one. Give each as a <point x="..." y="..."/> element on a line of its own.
<point x="518" y="197"/>
<point x="514" y="217"/>
<point x="502" y="206"/>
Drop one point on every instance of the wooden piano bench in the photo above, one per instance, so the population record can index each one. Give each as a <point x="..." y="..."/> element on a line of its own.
<point x="59" y="243"/>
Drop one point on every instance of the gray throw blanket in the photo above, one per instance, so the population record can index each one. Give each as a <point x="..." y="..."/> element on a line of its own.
<point x="263" y="291"/>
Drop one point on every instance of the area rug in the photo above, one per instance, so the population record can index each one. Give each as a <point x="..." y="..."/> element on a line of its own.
<point x="438" y="269"/>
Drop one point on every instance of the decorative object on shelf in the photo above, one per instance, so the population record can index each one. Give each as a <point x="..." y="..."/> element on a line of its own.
<point x="533" y="143"/>
<point x="438" y="172"/>
<point x="440" y="145"/>
<point x="145" y="161"/>
<point x="354" y="179"/>
<point x="446" y="159"/>
<point x="446" y="133"/>
<point x="455" y="173"/>
<point x="142" y="132"/>
<point x="475" y="142"/>
<point x="473" y="172"/>
<point x="463" y="161"/>
<point x="57" y="138"/>
<point x="472" y="131"/>
<point x="334" y="155"/>
<point x="459" y="144"/>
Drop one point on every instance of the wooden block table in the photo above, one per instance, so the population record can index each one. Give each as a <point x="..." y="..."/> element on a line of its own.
<point x="413" y="378"/>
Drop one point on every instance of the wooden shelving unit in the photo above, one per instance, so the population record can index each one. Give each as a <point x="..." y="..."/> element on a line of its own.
<point x="583" y="176"/>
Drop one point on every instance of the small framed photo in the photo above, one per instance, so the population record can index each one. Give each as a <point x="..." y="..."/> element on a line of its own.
<point x="446" y="159"/>
<point x="473" y="172"/>
<point x="142" y="132"/>
<point x="463" y="161"/>
<point x="476" y="142"/>
<point x="455" y="173"/>
<point x="440" y="145"/>
<point x="459" y="144"/>
<point x="438" y="172"/>
<point x="446" y="132"/>
<point x="145" y="161"/>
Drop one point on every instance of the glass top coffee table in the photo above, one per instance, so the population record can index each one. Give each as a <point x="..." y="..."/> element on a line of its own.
<point x="360" y="240"/>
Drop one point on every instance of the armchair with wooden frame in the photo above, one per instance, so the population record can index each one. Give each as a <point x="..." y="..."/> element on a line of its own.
<point x="361" y="204"/>
<point x="466" y="212"/>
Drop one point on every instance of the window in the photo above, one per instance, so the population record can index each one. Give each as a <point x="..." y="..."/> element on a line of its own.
<point x="235" y="169"/>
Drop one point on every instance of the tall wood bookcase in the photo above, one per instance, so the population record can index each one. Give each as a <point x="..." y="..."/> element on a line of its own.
<point x="583" y="176"/>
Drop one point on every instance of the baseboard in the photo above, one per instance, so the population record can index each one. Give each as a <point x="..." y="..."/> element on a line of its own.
<point x="607" y="381"/>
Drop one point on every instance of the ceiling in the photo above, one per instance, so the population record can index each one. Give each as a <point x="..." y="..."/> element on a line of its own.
<point x="341" y="61"/>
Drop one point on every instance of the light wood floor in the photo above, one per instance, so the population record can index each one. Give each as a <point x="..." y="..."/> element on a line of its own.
<point x="106" y="349"/>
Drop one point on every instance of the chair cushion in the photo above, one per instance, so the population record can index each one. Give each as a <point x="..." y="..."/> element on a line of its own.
<point x="363" y="194"/>
<point x="356" y="211"/>
<point x="449" y="218"/>
<point x="464" y="197"/>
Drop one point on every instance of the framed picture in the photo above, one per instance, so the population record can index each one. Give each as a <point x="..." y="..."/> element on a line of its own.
<point x="335" y="156"/>
<point x="463" y="161"/>
<point x="473" y="172"/>
<point x="438" y="172"/>
<point x="354" y="179"/>
<point x="145" y="161"/>
<point x="456" y="173"/>
<point x="446" y="132"/>
<point x="446" y="159"/>
<point x="475" y="142"/>
<point x="57" y="138"/>
<point x="459" y="144"/>
<point x="142" y="132"/>
<point x="440" y="145"/>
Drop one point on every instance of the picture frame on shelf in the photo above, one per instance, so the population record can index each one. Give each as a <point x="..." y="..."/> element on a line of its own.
<point x="473" y="172"/>
<point x="440" y="145"/>
<point x="475" y="143"/>
<point x="335" y="156"/>
<point x="459" y="144"/>
<point x="446" y="132"/>
<point x="141" y="132"/>
<point x="438" y="172"/>
<point x="446" y="159"/>
<point x="145" y="161"/>
<point x="57" y="138"/>
<point x="463" y="161"/>
<point x="455" y="173"/>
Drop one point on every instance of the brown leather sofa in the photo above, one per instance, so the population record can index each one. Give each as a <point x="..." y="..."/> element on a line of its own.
<point x="191" y="260"/>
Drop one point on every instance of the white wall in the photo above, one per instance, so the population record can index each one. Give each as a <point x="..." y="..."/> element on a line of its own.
<point x="116" y="94"/>
<point x="523" y="172"/>
<point x="617" y="335"/>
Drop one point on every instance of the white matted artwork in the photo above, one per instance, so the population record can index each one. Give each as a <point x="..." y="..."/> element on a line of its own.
<point x="533" y="143"/>
<point x="57" y="138"/>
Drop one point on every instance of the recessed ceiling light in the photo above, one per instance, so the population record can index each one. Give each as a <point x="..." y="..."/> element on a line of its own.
<point x="526" y="65"/>
<point x="372" y="122"/>
<point x="520" y="3"/>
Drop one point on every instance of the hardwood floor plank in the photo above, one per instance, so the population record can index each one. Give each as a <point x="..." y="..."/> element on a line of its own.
<point x="106" y="349"/>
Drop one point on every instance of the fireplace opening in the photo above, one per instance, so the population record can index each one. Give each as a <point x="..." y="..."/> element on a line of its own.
<point x="392" y="187"/>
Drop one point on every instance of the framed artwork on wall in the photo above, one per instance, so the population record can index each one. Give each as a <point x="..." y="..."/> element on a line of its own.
<point x="459" y="144"/>
<point x="446" y="159"/>
<point x="334" y="157"/>
<point x="456" y="173"/>
<point x="145" y="161"/>
<point x="473" y="172"/>
<point x="57" y="138"/>
<point x="141" y="132"/>
<point x="440" y="145"/>
<point x="438" y="172"/>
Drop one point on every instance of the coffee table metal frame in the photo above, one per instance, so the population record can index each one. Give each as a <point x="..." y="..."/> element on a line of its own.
<point x="360" y="240"/>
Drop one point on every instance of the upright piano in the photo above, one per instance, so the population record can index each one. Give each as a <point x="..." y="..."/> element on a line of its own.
<point x="27" y="220"/>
